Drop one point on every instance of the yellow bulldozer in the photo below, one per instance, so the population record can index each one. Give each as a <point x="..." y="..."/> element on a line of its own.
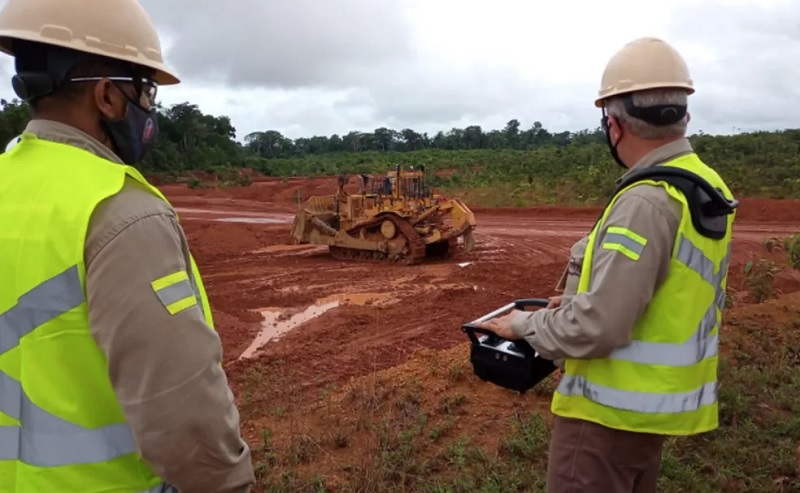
<point x="398" y="220"/>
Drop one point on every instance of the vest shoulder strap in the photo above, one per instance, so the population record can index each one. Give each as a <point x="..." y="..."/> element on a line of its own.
<point x="707" y="205"/>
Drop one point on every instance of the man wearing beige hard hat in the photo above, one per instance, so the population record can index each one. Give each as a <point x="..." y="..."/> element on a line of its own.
<point x="110" y="375"/>
<point x="639" y="337"/>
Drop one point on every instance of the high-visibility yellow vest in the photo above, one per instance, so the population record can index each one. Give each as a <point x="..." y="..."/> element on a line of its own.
<point x="665" y="381"/>
<point x="61" y="426"/>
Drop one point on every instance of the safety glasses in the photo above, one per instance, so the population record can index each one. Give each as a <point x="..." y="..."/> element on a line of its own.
<point x="146" y="88"/>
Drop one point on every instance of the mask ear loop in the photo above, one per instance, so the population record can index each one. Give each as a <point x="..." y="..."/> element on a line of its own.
<point x="138" y="88"/>
<point x="612" y="147"/>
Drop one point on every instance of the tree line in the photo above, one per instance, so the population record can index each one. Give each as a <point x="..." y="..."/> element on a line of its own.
<point x="272" y="144"/>
<point x="755" y="164"/>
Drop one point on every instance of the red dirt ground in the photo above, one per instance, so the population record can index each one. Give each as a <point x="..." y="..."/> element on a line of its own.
<point x="240" y="239"/>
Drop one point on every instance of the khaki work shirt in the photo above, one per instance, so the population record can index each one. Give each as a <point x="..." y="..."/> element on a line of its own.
<point x="164" y="368"/>
<point x="594" y="323"/>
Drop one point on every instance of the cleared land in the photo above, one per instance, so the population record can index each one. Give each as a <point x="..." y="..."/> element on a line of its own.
<point x="355" y="377"/>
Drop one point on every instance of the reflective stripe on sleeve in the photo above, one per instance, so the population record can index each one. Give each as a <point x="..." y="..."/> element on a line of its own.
<point x="625" y="242"/>
<point x="175" y="292"/>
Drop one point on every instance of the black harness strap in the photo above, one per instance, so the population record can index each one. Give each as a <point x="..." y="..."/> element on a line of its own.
<point x="707" y="205"/>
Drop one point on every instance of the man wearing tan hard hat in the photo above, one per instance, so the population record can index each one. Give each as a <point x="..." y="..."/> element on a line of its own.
<point x="110" y="374"/>
<point x="639" y="337"/>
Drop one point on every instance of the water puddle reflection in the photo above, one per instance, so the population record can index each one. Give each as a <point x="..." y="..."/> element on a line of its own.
<point x="273" y="328"/>
<point x="360" y="299"/>
<point x="276" y="324"/>
<point x="251" y="220"/>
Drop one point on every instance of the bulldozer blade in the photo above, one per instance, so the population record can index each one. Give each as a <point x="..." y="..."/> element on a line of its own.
<point x="469" y="240"/>
<point x="298" y="231"/>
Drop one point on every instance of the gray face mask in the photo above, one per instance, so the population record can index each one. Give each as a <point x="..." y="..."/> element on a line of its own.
<point x="135" y="134"/>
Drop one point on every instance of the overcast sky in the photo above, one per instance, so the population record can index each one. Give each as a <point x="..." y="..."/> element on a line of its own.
<point x="318" y="67"/>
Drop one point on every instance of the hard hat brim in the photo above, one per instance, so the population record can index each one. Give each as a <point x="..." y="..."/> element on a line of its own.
<point x="162" y="75"/>
<point x="600" y="102"/>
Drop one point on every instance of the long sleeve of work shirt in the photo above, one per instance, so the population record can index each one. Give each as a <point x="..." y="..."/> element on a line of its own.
<point x="594" y="323"/>
<point x="164" y="368"/>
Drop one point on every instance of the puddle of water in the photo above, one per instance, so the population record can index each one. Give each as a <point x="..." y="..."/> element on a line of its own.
<point x="306" y="287"/>
<point x="360" y="299"/>
<point x="282" y="248"/>
<point x="234" y="216"/>
<point x="402" y="281"/>
<point x="451" y="285"/>
<point x="272" y="328"/>
<point x="252" y="220"/>
<point x="293" y="250"/>
<point x="184" y="210"/>
<point x="228" y="211"/>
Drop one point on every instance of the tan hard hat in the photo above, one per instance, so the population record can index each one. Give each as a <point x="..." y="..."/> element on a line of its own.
<point x="645" y="63"/>
<point x="119" y="29"/>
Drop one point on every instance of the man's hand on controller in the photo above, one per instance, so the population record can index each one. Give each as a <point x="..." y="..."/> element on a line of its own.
<point x="502" y="325"/>
<point x="555" y="302"/>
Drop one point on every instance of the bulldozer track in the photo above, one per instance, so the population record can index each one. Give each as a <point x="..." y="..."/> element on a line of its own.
<point x="413" y="254"/>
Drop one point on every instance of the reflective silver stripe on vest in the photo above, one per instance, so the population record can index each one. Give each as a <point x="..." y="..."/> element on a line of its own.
<point x="642" y="402"/>
<point x="700" y="345"/>
<point x="45" y="440"/>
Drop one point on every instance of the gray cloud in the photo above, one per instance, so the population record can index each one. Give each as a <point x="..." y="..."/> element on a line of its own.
<point x="745" y="63"/>
<point x="310" y="67"/>
<point x="282" y="44"/>
<point x="442" y="95"/>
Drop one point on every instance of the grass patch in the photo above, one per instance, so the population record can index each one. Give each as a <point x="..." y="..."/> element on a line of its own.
<point x="524" y="195"/>
<point x="792" y="246"/>
<point x="760" y="278"/>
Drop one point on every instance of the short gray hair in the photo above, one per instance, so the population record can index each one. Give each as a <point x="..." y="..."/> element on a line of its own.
<point x="651" y="97"/>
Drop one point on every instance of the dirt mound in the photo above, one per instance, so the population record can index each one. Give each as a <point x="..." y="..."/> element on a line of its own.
<point x="750" y="210"/>
<point x="264" y="189"/>
<point x="541" y="211"/>
<point x="212" y="241"/>
<point x="768" y="210"/>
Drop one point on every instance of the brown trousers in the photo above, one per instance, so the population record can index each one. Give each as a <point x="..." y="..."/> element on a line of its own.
<point x="589" y="458"/>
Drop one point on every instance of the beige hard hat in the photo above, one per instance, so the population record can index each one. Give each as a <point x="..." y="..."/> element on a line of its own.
<point x="645" y="63"/>
<point x="119" y="29"/>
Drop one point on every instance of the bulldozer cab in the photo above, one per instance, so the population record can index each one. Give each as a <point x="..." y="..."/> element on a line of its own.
<point x="403" y="184"/>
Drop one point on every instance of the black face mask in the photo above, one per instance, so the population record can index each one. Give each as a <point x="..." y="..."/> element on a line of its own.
<point x="134" y="135"/>
<point x="612" y="147"/>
